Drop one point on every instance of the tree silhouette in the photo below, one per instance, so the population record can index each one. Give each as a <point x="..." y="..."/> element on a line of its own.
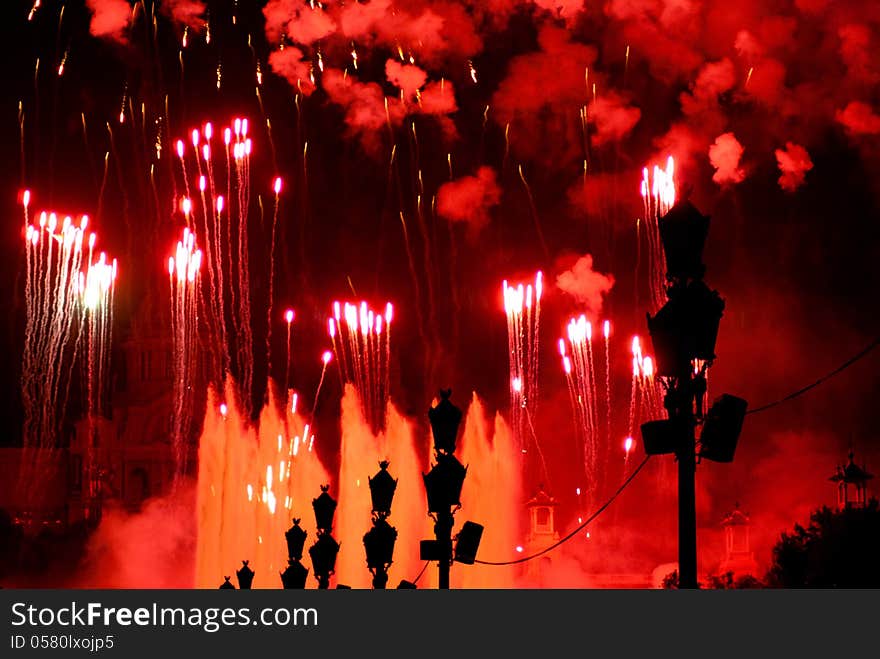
<point x="726" y="581"/>
<point x="838" y="549"/>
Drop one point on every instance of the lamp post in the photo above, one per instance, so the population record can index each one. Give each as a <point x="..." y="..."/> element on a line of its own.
<point x="325" y="549"/>
<point x="683" y="333"/>
<point x="294" y="577"/>
<point x="443" y="484"/>
<point x="245" y="576"/>
<point x="379" y="540"/>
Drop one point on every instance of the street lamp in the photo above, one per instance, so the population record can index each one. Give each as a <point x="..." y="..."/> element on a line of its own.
<point x="443" y="484"/>
<point x="683" y="333"/>
<point x="379" y="540"/>
<point x="852" y="484"/>
<point x="245" y="576"/>
<point x="294" y="577"/>
<point x="325" y="549"/>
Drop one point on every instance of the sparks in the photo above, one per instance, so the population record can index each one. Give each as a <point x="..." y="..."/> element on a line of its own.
<point x="362" y="345"/>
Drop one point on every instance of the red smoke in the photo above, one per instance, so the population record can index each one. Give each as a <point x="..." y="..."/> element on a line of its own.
<point x="585" y="286"/>
<point x="768" y="75"/>
<point x="297" y="20"/>
<point x="109" y="18"/>
<point x="858" y="50"/>
<point x="794" y="163"/>
<point x="407" y="77"/>
<point x="186" y="12"/>
<point x="469" y="198"/>
<point x="431" y="31"/>
<point x="151" y="548"/>
<point x="368" y="110"/>
<point x="725" y="155"/>
<point x="611" y="118"/>
<point x="542" y="94"/>
<point x="859" y="119"/>
<point x="365" y="108"/>
<point x="594" y="194"/>
<point x="290" y="64"/>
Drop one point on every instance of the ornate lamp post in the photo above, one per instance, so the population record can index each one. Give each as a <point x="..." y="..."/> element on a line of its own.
<point x="683" y="334"/>
<point x="379" y="540"/>
<point x="245" y="576"/>
<point x="852" y="484"/>
<point x="325" y="549"/>
<point x="443" y="484"/>
<point x="294" y="577"/>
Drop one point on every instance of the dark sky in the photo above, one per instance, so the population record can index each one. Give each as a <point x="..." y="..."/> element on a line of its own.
<point x="797" y="268"/>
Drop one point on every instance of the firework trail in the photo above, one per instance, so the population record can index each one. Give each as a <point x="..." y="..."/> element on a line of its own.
<point x="277" y="188"/>
<point x="96" y="290"/>
<point x="325" y="359"/>
<point x="69" y="296"/>
<point x="183" y="277"/>
<point x="534" y="212"/>
<point x="223" y="221"/>
<point x="658" y="196"/>
<point x="522" y="306"/>
<point x="579" y="367"/>
<point x="288" y="318"/>
<point x="361" y="341"/>
<point x="646" y="398"/>
<point x="606" y="334"/>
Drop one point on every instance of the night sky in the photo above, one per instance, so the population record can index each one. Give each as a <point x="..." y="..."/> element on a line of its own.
<point x="771" y="110"/>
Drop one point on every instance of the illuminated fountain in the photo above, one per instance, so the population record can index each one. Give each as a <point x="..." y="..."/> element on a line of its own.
<point x="251" y="482"/>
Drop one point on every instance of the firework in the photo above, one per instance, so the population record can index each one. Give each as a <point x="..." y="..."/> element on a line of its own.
<point x="325" y="359"/>
<point x="217" y="205"/>
<point x="589" y="406"/>
<point x="289" y="315"/>
<point x="646" y="398"/>
<point x="522" y="306"/>
<point x="183" y="277"/>
<point x="69" y="294"/>
<point x="658" y="196"/>
<point x="276" y="186"/>
<point x="361" y="339"/>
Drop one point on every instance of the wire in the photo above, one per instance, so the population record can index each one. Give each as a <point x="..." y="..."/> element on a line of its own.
<point x="849" y="362"/>
<point x="580" y="528"/>
<point x="852" y="360"/>
<point x="424" y="567"/>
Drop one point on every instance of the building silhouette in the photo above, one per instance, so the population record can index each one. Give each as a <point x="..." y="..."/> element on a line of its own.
<point x="739" y="559"/>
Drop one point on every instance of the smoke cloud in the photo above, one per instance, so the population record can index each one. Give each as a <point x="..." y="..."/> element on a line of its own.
<point x="541" y="96"/>
<point x="431" y="31"/>
<point x="469" y="199"/>
<point x="364" y="106"/>
<point x="186" y="12"/>
<point x="110" y="19"/>
<point x="794" y="163"/>
<point x="408" y="78"/>
<point x="152" y="548"/>
<point x="859" y="119"/>
<point x="766" y="75"/>
<point x="612" y="118"/>
<point x="725" y="155"/>
<point x="368" y="111"/>
<point x="291" y="64"/>
<point x="585" y="286"/>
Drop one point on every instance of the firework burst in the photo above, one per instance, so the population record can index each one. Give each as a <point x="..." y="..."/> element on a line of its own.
<point x="69" y="291"/>
<point x="361" y="339"/>
<point x="522" y="306"/>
